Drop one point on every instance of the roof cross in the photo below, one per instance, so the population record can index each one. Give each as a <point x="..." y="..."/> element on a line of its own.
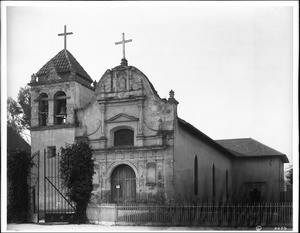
<point x="65" y="34"/>
<point x="123" y="42"/>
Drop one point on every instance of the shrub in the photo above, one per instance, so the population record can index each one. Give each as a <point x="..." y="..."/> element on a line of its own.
<point x="19" y="165"/>
<point x="77" y="170"/>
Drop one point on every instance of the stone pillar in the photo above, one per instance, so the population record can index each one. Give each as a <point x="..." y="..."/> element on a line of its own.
<point x="140" y="140"/>
<point x="34" y="108"/>
<point x="103" y="139"/>
<point x="51" y="116"/>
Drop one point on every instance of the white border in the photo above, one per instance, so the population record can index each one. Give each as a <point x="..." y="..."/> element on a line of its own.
<point x="5" y="4"/>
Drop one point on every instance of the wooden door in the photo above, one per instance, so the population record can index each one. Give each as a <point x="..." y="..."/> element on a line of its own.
<point x="123" y="184"/>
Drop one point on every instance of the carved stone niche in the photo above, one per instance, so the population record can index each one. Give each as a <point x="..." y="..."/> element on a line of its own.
<point x="106" y="85"/>
<point x="151" y="175"/>
<point x="121" y="81"/>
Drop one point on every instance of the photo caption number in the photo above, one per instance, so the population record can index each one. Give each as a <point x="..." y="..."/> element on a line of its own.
<point x="280" y="228"/>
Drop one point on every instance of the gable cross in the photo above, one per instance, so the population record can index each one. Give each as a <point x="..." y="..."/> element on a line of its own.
<point x="123" y="42"/>
<point x="65" y="34"/>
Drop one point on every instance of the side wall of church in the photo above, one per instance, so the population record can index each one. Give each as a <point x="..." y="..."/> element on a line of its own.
<point x="187" y="147"/>
<point x="264" y="174"/>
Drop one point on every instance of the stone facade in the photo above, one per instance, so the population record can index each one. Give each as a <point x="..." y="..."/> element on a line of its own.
<point x="125" y="99"/>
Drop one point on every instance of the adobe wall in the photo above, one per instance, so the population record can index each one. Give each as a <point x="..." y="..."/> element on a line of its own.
<point x="265" y="174"/>
<point x="186" y="148"/>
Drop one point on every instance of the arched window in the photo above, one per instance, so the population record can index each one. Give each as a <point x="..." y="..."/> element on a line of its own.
<point x="227" y="194"/>
<point x="124" y="137"/>
<point x="213" y="183"/>
<point x="60" y="108"/>
<point x="43" y="109"/>
<point x="196" y="175"/>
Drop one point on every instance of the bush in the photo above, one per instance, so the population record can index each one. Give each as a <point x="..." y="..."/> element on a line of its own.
<point x="19" y="165"/>
<point x="77" y="170"/>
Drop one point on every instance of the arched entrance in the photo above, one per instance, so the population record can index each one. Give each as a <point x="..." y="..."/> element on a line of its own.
<point x="123" y="184"/>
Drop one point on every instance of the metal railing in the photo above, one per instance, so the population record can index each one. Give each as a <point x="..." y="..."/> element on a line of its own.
<point x="239" y="214"/>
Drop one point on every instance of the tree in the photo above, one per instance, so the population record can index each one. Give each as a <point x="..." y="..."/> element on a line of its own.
<point x="19" y="113"/>
<point x="13" y="115"/>
<point x="77" y="170"/>
<point x="289" y="174"/>
<point x="19" y="165"/>
<point x="24" y="100"/>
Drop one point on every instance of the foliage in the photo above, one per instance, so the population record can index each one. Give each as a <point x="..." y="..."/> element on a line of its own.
<point x="19" y="165"/>
<point x="13" y="115"/>
<point x="77" y="170"/>
<point x="24" y="101"/>
<point x="289" y="174"/>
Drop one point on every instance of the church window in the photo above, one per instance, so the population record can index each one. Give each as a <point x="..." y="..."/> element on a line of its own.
<point x="60" y="108"/>
<point x="196" y="175"/>
<point x="51" y="151"/>
<point x="124" y="137"/>
<point x="43" y="109"/>
<point x="213" y="183"/>
<point x="227" y="185"/>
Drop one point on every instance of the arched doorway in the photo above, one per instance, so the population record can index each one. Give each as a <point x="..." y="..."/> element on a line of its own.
<point x="123" y="184"/>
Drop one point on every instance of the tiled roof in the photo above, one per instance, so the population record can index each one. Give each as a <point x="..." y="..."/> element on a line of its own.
<point x="65" y="62"/>
<point x="249" y="147"/>
<point x="241" y="147"/>
<point x="15" y="141"/>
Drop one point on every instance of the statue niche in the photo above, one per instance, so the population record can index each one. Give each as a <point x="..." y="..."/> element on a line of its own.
<point x="121" y="84"/>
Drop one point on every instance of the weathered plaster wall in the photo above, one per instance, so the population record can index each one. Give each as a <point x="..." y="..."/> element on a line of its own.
<point x="82" y="95"/>
<point x="186" y="148"/>
<point x="267" y="173"/>
<point x="43" y="139"/>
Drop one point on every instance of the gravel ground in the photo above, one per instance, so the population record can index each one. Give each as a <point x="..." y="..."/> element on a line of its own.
<point x="101" y="228"/>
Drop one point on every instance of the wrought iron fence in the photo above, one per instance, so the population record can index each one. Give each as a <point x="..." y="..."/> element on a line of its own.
<point x="242" y="214"/>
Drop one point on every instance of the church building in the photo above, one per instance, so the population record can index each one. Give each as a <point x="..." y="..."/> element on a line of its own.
<point x="144" y="152"/>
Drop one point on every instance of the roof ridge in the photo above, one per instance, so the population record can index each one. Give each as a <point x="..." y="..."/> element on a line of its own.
<point x="267" y="146"/>
<point x="68" y="59"/>
<point x="227" y="139"/>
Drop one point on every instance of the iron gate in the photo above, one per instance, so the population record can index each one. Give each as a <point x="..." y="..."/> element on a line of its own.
<point x="58" y="207"/>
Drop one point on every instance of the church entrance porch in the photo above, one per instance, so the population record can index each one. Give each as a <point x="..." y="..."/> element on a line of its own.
<point x="123" y="184"/>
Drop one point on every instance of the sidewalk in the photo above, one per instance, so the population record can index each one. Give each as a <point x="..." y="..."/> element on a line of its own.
<point x="100" y="228"/>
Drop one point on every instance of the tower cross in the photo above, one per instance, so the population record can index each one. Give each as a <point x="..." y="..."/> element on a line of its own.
<point x="123" y="42"/>
<point x="65" y="34"/>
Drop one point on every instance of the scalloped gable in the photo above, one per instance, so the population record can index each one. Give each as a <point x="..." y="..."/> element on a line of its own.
<point x="123" y="78"/>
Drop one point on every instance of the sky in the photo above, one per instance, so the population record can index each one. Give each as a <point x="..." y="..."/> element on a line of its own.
<point x="231" y="66"/>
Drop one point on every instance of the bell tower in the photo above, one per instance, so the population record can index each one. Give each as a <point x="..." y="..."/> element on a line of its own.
<point x="59" y="88"/>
